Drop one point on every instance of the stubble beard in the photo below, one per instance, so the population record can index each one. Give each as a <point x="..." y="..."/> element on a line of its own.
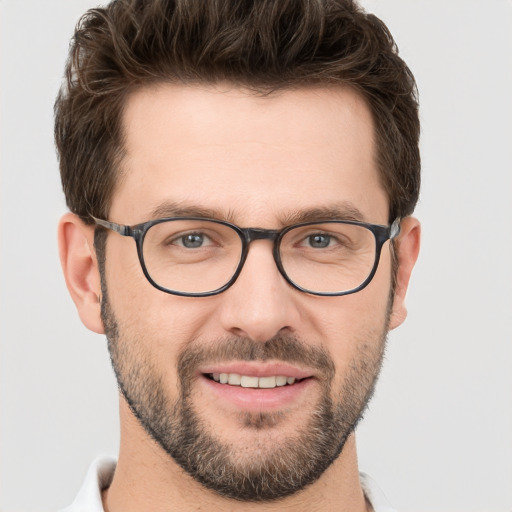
<point x="267" y="471"/>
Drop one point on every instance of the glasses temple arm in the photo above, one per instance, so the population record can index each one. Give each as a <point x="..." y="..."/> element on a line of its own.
<point x="394" y="229"/>
<point x="118" y="228"/>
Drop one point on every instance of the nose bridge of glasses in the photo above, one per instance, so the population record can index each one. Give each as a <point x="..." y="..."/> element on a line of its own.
<point x="252" y="234"/>
<point x="257" y="234"/>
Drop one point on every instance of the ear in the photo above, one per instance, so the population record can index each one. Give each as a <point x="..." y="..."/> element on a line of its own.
<point x="80" y="267"/>
<point x="407" y="247"/>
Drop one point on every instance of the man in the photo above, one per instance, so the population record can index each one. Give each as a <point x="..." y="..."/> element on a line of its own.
<point x="241" y="178"/>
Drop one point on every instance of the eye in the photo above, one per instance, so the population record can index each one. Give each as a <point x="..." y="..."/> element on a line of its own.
<point x="193" y="240"/>
<point x="318" y="241"/>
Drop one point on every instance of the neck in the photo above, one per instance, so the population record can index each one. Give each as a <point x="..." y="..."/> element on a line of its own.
<point x="146" y="478"/>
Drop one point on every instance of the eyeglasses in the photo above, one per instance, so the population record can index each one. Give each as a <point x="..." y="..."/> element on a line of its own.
<point x="199" y="257"/>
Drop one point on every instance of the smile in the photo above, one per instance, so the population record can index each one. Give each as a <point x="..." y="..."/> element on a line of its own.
<point x="247" y="381"/>
<point x="255" y="386"/>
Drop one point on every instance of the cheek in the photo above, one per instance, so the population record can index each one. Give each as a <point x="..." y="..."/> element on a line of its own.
<point x="161" y="323"/>
<point x="352" y="326"/>
<point x="124" y="275"/>
<point x="349" y="317"/>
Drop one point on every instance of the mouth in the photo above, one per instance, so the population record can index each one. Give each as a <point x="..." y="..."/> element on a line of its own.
<point x="255" y="386"/>
<point x="250" y="381"/>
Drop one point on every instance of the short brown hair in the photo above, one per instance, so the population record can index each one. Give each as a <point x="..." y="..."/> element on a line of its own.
<point x="263" y="45"/>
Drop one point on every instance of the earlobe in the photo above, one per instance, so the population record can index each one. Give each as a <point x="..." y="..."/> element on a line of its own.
<point x="80" y="267"/>
<point x="407" y="247"/>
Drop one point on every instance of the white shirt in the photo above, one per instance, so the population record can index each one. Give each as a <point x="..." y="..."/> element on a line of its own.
<point x="102" y="469"/>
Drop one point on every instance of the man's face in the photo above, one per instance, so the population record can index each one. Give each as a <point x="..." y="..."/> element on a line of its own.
<point x="258" y="162"/>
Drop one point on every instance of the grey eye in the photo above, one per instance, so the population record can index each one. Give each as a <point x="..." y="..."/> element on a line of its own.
<point x="192" y="240"/>
<point x="319" y="241"/>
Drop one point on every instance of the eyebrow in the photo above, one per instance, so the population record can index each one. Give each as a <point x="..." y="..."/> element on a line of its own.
<point x="180" y="209"/>
<point x="340" y="211"/>
<point x="344" y="210"/>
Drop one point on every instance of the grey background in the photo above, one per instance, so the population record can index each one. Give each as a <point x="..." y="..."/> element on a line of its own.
<point x="438" y="435"/>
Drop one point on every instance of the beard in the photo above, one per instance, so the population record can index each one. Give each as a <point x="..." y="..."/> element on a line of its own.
<point x="264" y="470"/>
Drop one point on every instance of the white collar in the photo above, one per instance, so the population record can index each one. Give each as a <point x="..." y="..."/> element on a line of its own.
<point x="99" y="477"/>
<point x="374" y="495"/>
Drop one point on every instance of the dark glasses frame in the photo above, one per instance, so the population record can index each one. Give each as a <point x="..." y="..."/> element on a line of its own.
<point x="247" y="235"/>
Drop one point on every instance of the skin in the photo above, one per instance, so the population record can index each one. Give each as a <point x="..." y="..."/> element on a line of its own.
<point x="256" y="161"/>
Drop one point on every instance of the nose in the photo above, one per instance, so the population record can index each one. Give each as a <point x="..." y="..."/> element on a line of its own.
<point x="260" y="304"/>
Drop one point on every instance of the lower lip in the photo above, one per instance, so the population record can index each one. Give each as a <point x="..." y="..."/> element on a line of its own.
<point x="257" y="399"/>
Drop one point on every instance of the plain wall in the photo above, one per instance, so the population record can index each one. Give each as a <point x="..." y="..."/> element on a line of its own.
<point x="438" y="433"/>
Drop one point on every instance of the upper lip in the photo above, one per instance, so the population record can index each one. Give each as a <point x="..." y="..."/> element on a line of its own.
<point x="257" y="369"/>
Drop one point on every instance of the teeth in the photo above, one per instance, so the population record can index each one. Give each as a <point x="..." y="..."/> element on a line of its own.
<point x="249" y="382"/>
<point x="267" y="382"/>
<point x="234" y="379"/>
<point x="280" y="381"/>
<point x="246" y="381"/>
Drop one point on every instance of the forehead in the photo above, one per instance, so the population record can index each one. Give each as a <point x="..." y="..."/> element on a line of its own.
<point x="251" y="158"/>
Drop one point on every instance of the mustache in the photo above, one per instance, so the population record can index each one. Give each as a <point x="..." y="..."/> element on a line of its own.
<point x="286" y="348"/>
